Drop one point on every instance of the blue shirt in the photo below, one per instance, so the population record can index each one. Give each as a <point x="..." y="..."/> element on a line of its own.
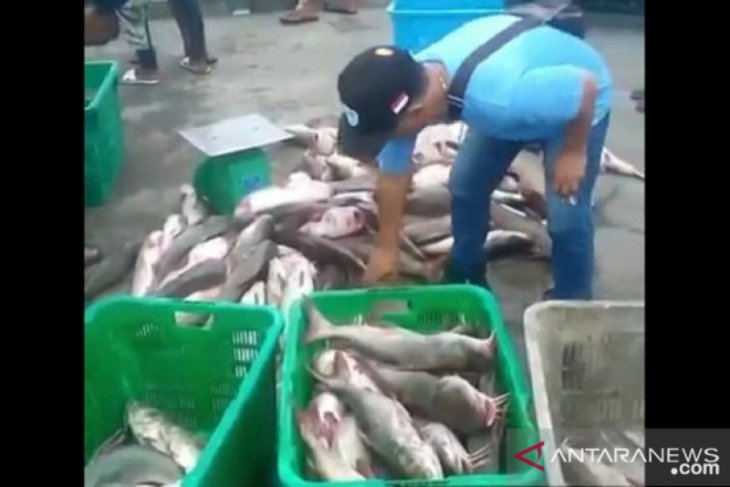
<point x="527" y="90"/>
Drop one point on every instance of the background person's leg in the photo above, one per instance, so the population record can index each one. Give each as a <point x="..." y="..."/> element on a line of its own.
<point x="571" y="225"/>
<point x="479" y="168"/>
<point x="192" y="27"/>
<point x="133" y="17"/>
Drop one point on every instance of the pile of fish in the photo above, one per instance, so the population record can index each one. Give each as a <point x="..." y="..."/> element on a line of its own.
<point x="151" y="450"/>
<point x="393" y="403"/>
<point x="604" y="457"/>
<point x="316" y="230"/>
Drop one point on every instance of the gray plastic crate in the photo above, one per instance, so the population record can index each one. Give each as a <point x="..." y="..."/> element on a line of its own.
<point x="586" y="363"/>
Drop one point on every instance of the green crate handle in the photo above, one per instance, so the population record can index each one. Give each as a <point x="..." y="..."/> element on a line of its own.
<point x="110" y="83"/>
<point x="179" y="305"/>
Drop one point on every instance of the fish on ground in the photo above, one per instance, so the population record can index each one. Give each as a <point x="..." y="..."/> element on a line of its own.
<point x="432" y="201"/>
<point x="173" y="226"/>
<point x="344" y="167"/>
<point x="298" y="190"/>
<point x="190" y="237"/>
<point x="300" y="283"/>
<point x="197" y="319"/>
<point x="152" y="427"/>
<point x="613" y="164"/>
<point x="435" y="174"/>
<point x="427" y="231"/>
<point x="214" y="249"/>
<point x="319" y="249"/>
<point x="112" y="269"/>
<point x="276" y="282"/>
<point x="256" y="294"/>
<point x="262" y="228"/>
<point x="92" y="255"/>
<point x="191" y="207"/>
<point x="244" y="276"/>
<point x="507" y="218"/>
<point x="336" y="222"/>
<point x="331" y="276"/>
<point x="404" y="348"/>
<point x="315" y="166"/>
<point x="144" y="270"/>
<point x="204" y="275"/>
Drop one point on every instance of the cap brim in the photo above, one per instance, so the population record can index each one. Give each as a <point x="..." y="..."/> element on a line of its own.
<point x="356" y="145"/>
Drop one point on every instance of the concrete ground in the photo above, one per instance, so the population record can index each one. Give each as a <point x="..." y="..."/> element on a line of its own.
<point x="288" y="75"/>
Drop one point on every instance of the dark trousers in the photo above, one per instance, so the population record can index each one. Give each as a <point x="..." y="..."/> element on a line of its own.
<point x="189" y="19"/>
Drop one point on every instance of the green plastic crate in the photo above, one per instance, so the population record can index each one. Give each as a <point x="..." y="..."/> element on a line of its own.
<point x="219" y="381"/>
<point x="430" y="308"/>
<point x="222" y="181"/>
<point x="103" y="131"/>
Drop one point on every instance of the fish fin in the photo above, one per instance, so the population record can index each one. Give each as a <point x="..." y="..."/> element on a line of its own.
<point x="363" y="468"/>
<point x="340" y="366"/>
<point x="490" y="346"/>
<point x="318" y="325"/>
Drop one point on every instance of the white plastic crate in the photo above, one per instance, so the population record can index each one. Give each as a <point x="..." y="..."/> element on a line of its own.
<point x="586" y="363"/>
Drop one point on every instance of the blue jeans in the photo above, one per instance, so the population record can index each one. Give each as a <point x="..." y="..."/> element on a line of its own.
<point x="479" y="168"/>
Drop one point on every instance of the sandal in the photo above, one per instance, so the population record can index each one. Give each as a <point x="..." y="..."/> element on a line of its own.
<point x="336" y="9"/>
<point x="130" y="78"/>
<point x="185" y="64"/>
<point x="295" y="17"/>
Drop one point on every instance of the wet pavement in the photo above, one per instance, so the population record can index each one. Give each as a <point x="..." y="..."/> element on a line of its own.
<point x="288" y="75"/>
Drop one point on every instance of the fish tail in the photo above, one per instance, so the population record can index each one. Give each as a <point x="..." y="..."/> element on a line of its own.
<point x="319" y="328"/>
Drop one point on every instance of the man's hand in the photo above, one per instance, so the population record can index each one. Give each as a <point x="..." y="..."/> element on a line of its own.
<point x="382" y="267"/>
<point x="391" y="197"/>
<point x="570" y="169"/>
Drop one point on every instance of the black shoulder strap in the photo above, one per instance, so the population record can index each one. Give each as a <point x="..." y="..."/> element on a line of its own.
<point x="464" y="72"/>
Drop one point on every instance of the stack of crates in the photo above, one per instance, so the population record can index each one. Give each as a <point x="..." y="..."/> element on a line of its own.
<point x="419" y="23"/>
<point x="103" y="131"/>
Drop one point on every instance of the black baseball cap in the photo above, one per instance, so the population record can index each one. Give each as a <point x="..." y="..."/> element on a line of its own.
<point x="376" y="88"/>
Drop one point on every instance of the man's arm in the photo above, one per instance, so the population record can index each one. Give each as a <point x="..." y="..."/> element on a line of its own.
<point x="558" y="97"/>
<point x="392" y="188"/>
<point x="578" y="130"/>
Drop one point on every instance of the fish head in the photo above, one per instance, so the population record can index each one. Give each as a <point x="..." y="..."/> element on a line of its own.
<point x="147" y="423"/>
<point x="154" y="239"/>
<point x="420" y="461"/>
<point x="324" y="362"/>
<point x="244" y="208"/>
<point x="311" y="429"/>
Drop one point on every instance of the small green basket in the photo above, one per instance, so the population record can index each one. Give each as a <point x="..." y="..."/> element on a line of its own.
<point x="103" y="131"/>
<point x="219" y="381"/>
<point x="429" y="309"/>
<point x="222" y="181"/>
